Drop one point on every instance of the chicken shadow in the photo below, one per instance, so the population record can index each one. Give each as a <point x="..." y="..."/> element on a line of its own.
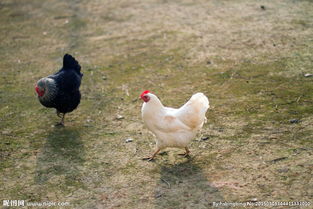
<point x="61" y="155"/>
<point x="184" y="185"/>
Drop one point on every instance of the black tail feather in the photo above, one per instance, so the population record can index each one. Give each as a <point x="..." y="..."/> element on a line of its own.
<point x="69" y="62"/>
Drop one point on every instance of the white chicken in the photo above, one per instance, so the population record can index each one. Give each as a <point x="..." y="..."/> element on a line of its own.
<point x="173" y="127"/>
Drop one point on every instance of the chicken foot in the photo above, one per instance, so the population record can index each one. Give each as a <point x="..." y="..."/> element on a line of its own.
<point x="61" y="123"/>
<point x="186" y="154"/>
<point x="153" y="155"/>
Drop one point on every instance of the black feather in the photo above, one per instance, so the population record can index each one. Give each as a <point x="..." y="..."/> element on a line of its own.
<point x="68" y="80"/>
<point x="69" y="62"/>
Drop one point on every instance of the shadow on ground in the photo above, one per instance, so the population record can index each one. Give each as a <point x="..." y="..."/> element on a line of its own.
<point x="60" y="157"/>
<point x="184" y="185"/>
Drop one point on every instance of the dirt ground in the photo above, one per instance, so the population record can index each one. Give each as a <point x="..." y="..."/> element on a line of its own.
<point x="249" y="57"/>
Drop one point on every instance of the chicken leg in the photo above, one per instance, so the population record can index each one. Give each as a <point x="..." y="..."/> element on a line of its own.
<point x="61" y="123"/>
<point x="153" y="155"/>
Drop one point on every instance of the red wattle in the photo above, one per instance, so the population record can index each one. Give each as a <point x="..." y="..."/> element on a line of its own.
<point x="37" y="89"/>
<point x="40" y="93"/>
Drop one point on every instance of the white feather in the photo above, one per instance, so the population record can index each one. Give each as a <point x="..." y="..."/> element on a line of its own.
<point x="175" y="127"/>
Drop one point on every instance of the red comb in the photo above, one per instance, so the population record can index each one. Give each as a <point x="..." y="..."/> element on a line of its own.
<point x="145" y="92"/>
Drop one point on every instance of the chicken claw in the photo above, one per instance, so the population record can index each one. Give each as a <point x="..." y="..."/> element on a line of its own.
<point x="186" y="154"/>
<point x="59" y="124"/>
<point x="148" y="158"/>
<point x="153" y="156"/>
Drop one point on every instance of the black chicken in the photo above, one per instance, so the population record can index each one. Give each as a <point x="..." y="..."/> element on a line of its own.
<point x="61" y="90"/>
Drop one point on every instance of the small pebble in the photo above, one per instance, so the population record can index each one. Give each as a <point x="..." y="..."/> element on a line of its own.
<point x="279" y="159"/>
<point x="254" y="200"/>
<point x="6" y="132"/>
<point x="282" y="170"/>
<point x="308" y="75"/>
<point x="205" y="138"/>
<point x="158" y="195"/>
<point x="128" y="140"/>
<point x="294" y="121"/>
<point x="119" y="117"/>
